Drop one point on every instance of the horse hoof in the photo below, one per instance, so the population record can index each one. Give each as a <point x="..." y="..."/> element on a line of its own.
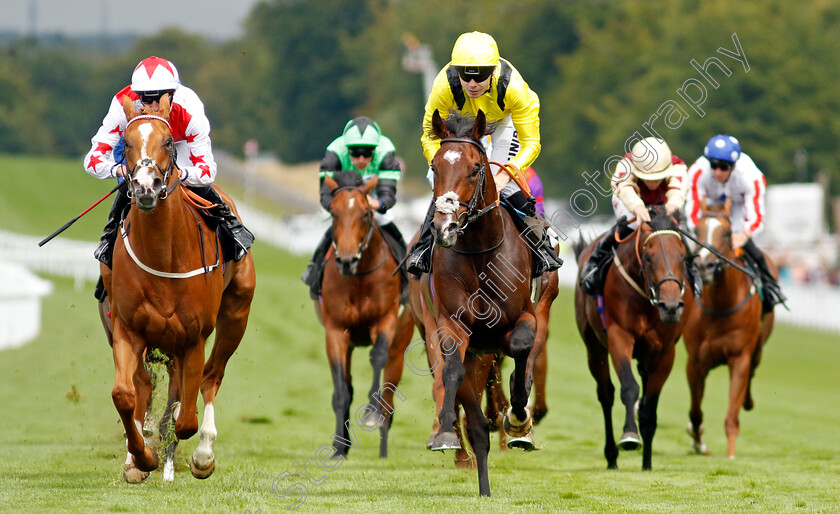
<point x="516" y="427"/>
<point x="372" y="420"/>
<point x="525" y="442"/>
<point x="700" y="448"/>
<point x="430" y="440"/>
<point x="445" y="441"/>
<point x="463" y="460"/>
<point x="132" y="475"/>
<point x="630" y="442"/>
<point x="201" y="473"/>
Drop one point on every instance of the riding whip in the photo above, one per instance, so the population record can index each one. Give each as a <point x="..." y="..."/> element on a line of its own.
<point x="67" y="225"/>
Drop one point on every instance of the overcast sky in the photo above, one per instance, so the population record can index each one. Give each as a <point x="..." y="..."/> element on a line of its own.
<point x="211" y="18"/>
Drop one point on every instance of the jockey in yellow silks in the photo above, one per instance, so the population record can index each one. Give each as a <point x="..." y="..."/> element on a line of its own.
<point x="477" y="78"/>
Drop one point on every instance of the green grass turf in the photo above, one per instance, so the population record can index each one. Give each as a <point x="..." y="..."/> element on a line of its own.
<point x="61" y="444"/>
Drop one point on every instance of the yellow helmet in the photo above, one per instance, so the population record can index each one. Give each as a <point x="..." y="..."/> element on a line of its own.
<point x="475" y="49"/>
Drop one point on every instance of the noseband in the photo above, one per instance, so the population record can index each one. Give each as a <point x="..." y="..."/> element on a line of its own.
<point x="148" y="162"/>
<point x="473" y="213"/>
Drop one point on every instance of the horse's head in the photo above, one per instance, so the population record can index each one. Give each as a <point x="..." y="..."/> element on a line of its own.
<point x="461" y="187"/>
<point x="352" y="218"/>
<point x="714" y="229"/>
<point x="149" y="153"/>
<point x="663" y="258"/>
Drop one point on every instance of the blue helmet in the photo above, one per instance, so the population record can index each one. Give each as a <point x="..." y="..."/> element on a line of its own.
<point x="722" y="147"/>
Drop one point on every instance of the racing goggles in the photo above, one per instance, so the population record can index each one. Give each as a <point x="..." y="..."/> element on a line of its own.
<point x="476" y="73"/>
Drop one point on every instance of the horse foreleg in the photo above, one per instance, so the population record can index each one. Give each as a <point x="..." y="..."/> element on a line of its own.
<point x="478" y="431"/>
<point x="655" y="378"/>
<point x="393" y="375"/>
<point x="453" y="375"/>
<point x="739" y="378"/>
<point x="599" y="367"/>
<point x="378" y="358"/>
<point x="127" y="358"/>
<point x="620" y="345"/>
<point x="338" y="354"/>
<point x="696" y="374"/>
<point x="518" y="419"/>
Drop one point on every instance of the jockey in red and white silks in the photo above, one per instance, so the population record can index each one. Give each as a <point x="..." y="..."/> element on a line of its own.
<point x="190" y="128"/>
<point x="745" y="188"/>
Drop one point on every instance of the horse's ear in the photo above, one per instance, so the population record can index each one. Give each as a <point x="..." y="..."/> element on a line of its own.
<point x="727" y="206"/>
<point x="480" y="125"/>
<point x="331" y="183"/>
<point x="165" y="105"/>
<point x="439" y="128"/>
<point x="128" y="108"/>
<point x="370" y="184"/>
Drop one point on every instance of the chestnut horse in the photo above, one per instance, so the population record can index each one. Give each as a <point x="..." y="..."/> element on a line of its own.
<point x="480" y="291"/>
<point x="645" y="296"/>
<point x="725" y="326"/>
<point x="168" y="290"/>
<point x="360" y="306"/>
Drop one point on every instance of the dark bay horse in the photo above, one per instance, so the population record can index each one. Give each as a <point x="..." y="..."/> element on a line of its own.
<point x="725" y="326"/>
<point x="481" y="301"/>
<point x="645" y="296"/>
<point x="360" y="306"/>
<point x="168" y="289"/>
<point x="496" y="400"/>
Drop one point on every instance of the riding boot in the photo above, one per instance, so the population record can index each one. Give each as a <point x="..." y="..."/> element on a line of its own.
<point x="772" y="291"/>
<point x="545" y="256"/>
<point x="420" y="260"/>
<point x="590" y="281"/>
<point x="314" y="273"/>
<point x="104" y="253"/>
<point x="239" y="238"/>
<point x="399" y="251"/>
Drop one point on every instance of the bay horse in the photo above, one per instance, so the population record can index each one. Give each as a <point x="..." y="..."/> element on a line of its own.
<point x="169" y="289"/>
<point x="481" y="301"/>
<point x="496" y="401"/>
<point x="643" y="305"/>
<point x="360" y="306"/>
<point x="725" y="326"/>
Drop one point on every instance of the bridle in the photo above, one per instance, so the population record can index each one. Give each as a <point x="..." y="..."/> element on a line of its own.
<point x="473" y="213"/>
<point x="147" y="162"/>
<point x="365" y="243"/>
<point x="653" y="289"/>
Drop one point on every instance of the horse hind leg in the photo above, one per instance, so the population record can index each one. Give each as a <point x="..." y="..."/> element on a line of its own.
<point x="167" y="426"/>
<point x="518" y="420"/>
<point x="392" y="374"/>
<point x="697" y="385"/>
<point x="478" y="431"/>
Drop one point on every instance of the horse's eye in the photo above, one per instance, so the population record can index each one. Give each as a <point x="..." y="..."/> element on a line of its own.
<point x="475" y="170"/>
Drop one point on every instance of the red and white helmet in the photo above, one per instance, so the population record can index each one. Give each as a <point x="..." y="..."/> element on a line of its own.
<point x="154" y="74"/>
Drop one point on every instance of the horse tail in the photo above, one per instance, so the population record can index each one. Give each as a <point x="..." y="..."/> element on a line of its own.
<point x="579" y="245"/>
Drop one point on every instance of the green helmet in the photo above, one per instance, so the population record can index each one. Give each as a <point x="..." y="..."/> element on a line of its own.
<point x="362" y="131"/>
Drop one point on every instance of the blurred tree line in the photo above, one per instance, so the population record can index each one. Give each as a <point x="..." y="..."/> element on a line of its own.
<point x="604" y="71"/>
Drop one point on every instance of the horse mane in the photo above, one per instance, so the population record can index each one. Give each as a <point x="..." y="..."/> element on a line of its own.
<point x="348" y="178"/>
<point x="461" y="125"/>
<point x="661" y="220"/>
<point x="578" y="245"/>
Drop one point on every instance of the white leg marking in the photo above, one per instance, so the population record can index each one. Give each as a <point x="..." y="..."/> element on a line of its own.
<point x="203" y="455"/>
<point x="169" y="470"/>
